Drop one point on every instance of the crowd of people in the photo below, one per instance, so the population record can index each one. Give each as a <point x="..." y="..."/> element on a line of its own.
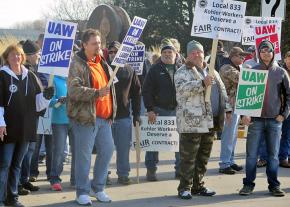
<point x="98" y="118"/>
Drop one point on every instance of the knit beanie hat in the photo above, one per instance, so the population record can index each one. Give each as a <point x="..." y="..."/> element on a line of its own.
<point x="194" y="45"/>
<point x="30" y="47"/>
<point x="266" y="44"/>
<point x="167" y="44"/>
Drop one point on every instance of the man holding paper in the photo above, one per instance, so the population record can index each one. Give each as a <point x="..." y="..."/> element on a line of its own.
<point x="159" y="98"/>
<point x="91" y="108"/>
<point x="197" y="120"/>
<point x="274" y="111"/>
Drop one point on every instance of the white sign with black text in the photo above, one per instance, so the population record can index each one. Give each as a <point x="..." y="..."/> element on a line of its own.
<point x="274" y="8"/>
<point x="251" y="22"/>
<point x="218" y="19"/>
<point x="160" y="136"/>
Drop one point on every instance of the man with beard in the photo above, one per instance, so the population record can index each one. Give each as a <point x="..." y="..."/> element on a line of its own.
<point x="159" y="98"/>
<point x="91" y="108"/>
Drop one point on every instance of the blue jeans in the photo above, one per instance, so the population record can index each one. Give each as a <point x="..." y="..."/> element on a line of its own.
<point x="262" y="151"/>
<point x="34" y="161"/>
<point x="86" y="136"/>
<point x="285" y="140"/>
<point x="26" y="163"/>
<point x="270" y="129"/>
<point x="11" y="157"/>
<point x="142" y="109"/>
<point x="152" y="158"/>
<point x="72" y="149"/>
<point x="122" y="134"/>
<point x="228" y="142"/>
<point x="59" y="136"/>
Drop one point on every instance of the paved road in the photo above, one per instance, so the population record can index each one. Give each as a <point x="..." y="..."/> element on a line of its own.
<point x="163" y="193"/>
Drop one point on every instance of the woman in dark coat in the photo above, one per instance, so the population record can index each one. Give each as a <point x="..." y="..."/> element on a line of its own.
<point x="21" y="98"/>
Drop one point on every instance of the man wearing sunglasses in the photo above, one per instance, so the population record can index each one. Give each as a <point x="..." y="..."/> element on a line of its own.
<point x="230" y="76"/>
<point x="128" y="90"/>
<point x="275" y="110"/>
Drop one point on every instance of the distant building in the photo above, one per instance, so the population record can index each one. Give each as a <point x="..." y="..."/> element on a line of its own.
<point x="19" y="34"/>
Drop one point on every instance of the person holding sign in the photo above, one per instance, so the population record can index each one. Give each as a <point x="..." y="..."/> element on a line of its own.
<point x="159" y="98"/>
<point x="91" y="107"/>
<point x="268" y="126"/>
<point x="60" y="131"/>
<point x="230" y="75"/>
<point x="128" y="90"/>
<point x="20" y="99"/>
<point x="197" y="120"/>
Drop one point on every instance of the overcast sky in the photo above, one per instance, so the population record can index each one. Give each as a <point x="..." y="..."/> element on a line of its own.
<point x="13" y="11"/>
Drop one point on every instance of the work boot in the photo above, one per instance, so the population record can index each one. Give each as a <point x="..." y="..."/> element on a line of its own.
<point x="151" y="175"/>
<point x="284" y="163"/>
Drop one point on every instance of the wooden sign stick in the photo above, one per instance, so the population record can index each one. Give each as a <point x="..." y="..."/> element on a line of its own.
<point x="113" y="76"/>
<point x="211" y="67"/>
<point x="138" y="148"/>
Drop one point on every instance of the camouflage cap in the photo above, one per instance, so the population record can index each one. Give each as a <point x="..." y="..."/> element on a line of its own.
<point x="238" y="51"/>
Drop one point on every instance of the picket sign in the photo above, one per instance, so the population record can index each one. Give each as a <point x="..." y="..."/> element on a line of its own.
<point x="274" y="8"/>
<point x="251" y="92"/>
<point x="218" y="20"/>
<point x="134" y="33"/>
<point x="57" y="49"/>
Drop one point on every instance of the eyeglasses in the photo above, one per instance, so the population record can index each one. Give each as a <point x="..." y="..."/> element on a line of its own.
<point x="112" y="52"/>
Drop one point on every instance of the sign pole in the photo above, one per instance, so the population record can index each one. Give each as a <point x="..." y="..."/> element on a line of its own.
<point x="138" y="149"/>
<point x="113" y="76"/>
<point x="211" y="67"/>
<point x="50" y="81"/>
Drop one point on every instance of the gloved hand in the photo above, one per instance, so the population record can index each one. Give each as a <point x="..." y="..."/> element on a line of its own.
<point x="137" y="119"/>
<point x="48" y="92"/>
<point x="62" y="99"/>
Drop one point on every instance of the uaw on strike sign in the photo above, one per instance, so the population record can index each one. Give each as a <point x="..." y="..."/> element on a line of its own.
<point x="57" y="47"/>
<point x="219" y="19"/>
<point x="129" y="42"/>
<point x="251" y="92"/>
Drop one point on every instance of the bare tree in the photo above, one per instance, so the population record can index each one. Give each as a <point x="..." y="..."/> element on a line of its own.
<point x="75" y="10"/>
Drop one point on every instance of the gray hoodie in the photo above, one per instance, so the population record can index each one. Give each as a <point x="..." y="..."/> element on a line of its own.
<point x="277" y="94"/>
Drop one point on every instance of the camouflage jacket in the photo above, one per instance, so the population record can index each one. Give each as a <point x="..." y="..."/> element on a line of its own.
<point x="230" y="76"/>
<point x="193" y="114"/>
<point x="81" y="99"/>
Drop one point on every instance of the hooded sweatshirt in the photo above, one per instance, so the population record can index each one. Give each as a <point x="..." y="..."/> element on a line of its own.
<point x="59" y="114"/>
<point x="277" y="94"/>
<point x="20" y="100"/>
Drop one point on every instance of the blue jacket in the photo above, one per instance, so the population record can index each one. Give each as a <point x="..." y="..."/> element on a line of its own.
<point x="59" y="115"/>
